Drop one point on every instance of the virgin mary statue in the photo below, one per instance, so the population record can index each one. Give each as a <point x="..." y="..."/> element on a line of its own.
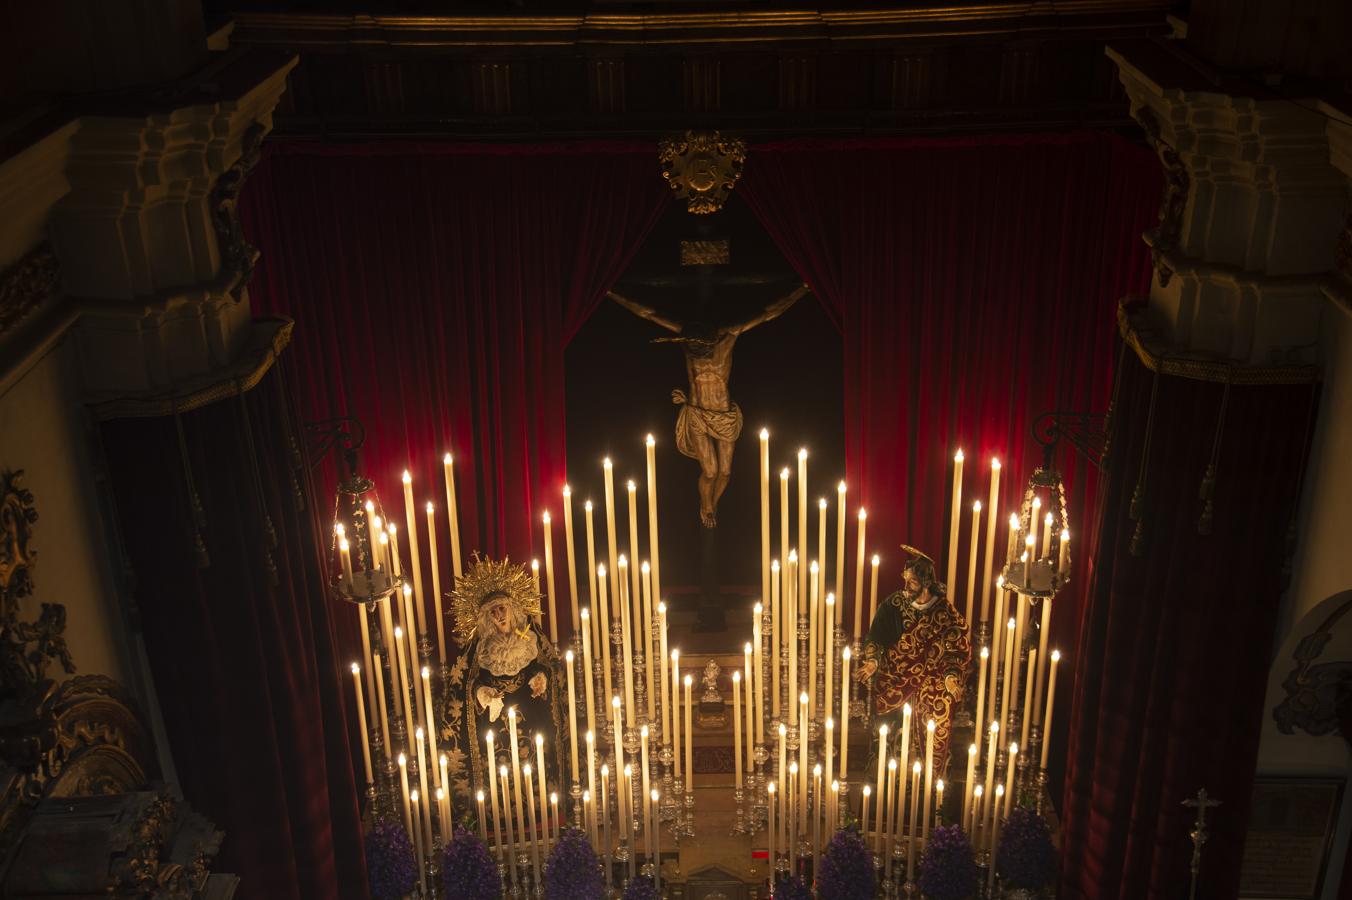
<point x="506" y="676"/>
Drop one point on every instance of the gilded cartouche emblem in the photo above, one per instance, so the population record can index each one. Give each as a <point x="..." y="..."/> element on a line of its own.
<point x="702" y="168"/>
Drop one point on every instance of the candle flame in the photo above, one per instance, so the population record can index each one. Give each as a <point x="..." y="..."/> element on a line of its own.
<point x="802" y="698"/>
<point x="978" y="791"/>
<point x="544" y="516"/>
<point x="765" y="434"/>
<point x="976" y="507"/>
<point x="1013" y="521"/>
<point x="957" y="457"/>
<point x="1037" y="502"/>
<point x="376" y="523"/>
<point x="643" y="732"/>
<point x="384" y="539"/>
<point x="830" y="724"/>
<point x="817" y="771"/>
<point x="488" y="736"/>
<point x="408" y="590"/>
<point x="868" y="791"/>
<point x="892" y="764"/>
<point x="774" y="565"/>
<point x="930" y="725"/>
<point x="675" y="655"/>
<point x="338" y="529"/>
<point x="526" y="770"/>
<point x="535" y="565"/>
<point x="821" y="503"/>
<point x="1030" y="540"/>
<point x="757" y="609"/>
<point x="502" y="771"/>
<point x="567" y="491"/>
<point x="770" y="788"/>
<point x="644" y="567"/>
<point x="649" y="441"/>
<point x="1014" y="748"/>
<point x="840" y="488"/>
<point x="630" y="484"/>
<point x="971" y="749"/>
<point x="413" y="795"/>
<point x="615" y="701"/>
<point x="391" y="528"/>
<point x="1056" y="656"/>
<point x="802" y="453"/>
<point x="591" y="737"/>
<point x="1065" y="535"/>
<point x="584" y="612"/>
<point x="906" y="709"/>
<point x="430" y="508"/>
<point x="355" y="668"/>
<point x="689" y="681"/>
<point x="553" y="798"/>
<point x="605" y="770"/>
<point x="403" y="760"/>
<point x="746" y="648"/>
<point x="985" y="652"/>
<point x="568" y="657"/>
<point x="883" y="730"/>
<point x="1010" y="625"/>
<point x="995" y="463"/>
<point x="443" y="759"/>
<point x="784" y="473"/>
<point x="846" y="653"/>
<point x="440" y="794"/>
<point x="812" y="567"/>
<point x="654" y="794"/>
<point x="408" y="479"/>
<point x="398" y="633"/>
<point x="606" y="462"/>
<point x="661" y="607"/>
<point x="426" y="672"/>
<point x="939" y="785"/>
<point x="622" y="562"/>
<point x="793" y="556"/>
<point x="793" y="767"/>
<point x="447" y="460"/>
<point x="480" y="796"/>
<point x="784" y="729"/>
<point x="916" y="769"/>
<point x="863" y="514"/>
<point x="539" y="739"/>
<point x="736" y="678"/>
<point x="628" y="771"/>
<point x="342" y="544"/>
<point x="587" y="506"/>
<point x="999" y="789"/>
<point x="601" y="570"/>
<point x="418" y="733"/>
<point x="876" y="559"/>
<point x="1048" y="519"/>
<point x="995" y="728"/>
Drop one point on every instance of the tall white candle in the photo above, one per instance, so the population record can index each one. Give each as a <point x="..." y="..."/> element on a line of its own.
<point x="589" y="525"/>
<point x="840" y="552"/>
<point x="1051" y="699"/>
<point x="689" y="739"/>
<point x="757" y="685"/>
<point x="859" y="583"/>
<point x="827" y="624"/>
<point x="572" y="555"/>
<point x="991" y="751"/>
<point x="411" y="515"/>
<point x="882" y="788"/>
<point x="662" y="652"/>
<point x="830" y="657"/>
<point x="493" y="792"/>
<point x="737" y="726"/>
<point x="612" y="546"/>
<point x="971" y="562"/>
<point x="572" y="715"/>
<point x="426" y="810"/>
<point x="453" y="522"/>
<point x="674" y="734"/>
<point x="380" y="704"/>
<point x="765" y="513"/>
<point x="635" y="589"/>
<point x="654" y="557"/>
<point x="968" y="784"/>
<point x="813" y="627"/>
<point x="991" y="512"/>
<point x="770" y="826"/>
<point x="915" y="805"/>
<point x="588" y="681"/>
<point x="750" y="729"/>
<point x="776" y="637"/>
<point x="646" y="642"/>
<point x="1028" y="711"/>
<point x="1004" y="694"/>
<point x="436" y="582"/>
<point x="431" y="728"/>
<point x="983" y="663"/>
<point x="603" y="624"/>
<point x="366" y="660"/>
<point x="784" y="547"/>
<point x="873" y="591"/>
<point x="626" y="630"/>
<point x="403" y="796"/>
<point x="802" y="523"/>
<point x="551" y="604"/>
<point x="845" y="714"/>
<point x="361" y="721"/>
<point x="791" y="629"/>
<point x="929" y="774"/>
<point x="1043" y="633"/>
<point x="953" y="520"/>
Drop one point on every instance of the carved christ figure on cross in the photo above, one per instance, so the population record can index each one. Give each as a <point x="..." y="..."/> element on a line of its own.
<point x="709" y="422"/>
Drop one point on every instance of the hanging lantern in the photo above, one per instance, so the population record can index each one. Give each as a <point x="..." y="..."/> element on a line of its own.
<point x="362" y="566"/>
<point x="1039" y="558"/>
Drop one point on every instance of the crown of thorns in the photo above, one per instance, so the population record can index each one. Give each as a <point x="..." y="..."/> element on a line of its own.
<point x="487" y="580"/>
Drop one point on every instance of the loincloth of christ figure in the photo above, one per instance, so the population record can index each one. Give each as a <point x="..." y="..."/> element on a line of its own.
<point x="917" y="651"/>
<point x="506" y="663"/>
<point x="709" y="423"/>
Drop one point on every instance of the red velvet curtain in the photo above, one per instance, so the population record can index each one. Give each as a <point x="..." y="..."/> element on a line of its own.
<point x="434" y="288"/>
<point x="241" y="640"/>
<point x="1174" y="655"/>
<point x="975" y="282"/>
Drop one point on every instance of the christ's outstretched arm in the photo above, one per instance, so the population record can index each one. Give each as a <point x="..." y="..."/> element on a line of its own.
<point x="645" y="312"/>
<point x="774" y="310"/>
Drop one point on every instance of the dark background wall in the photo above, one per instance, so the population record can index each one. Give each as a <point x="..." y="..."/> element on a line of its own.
<point x="786" y="376"/>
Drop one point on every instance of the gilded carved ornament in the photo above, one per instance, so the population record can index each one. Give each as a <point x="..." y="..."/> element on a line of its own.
<point x="702" y="168"/>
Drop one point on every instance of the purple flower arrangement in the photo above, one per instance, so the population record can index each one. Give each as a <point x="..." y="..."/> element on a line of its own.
<point x="641" y="888"/>
<point x="948" y="868"/>
<point x="467" y="870"/>
<point x="791" y="887"/>
<point x="573" y="871"/>
<point x="1026" y="858"/>
<point x="390" y="868"/>
<point x="847" y="868"/>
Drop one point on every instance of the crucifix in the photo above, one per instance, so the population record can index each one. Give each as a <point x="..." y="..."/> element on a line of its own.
<point x="709" y="422"/>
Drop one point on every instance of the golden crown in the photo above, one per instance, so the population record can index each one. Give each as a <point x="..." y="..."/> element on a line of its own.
<point x="488" y="578"/>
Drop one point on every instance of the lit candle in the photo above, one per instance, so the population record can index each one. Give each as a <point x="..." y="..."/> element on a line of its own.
<point x="426" y="810"/>
<point x="802" y="525"/>
<point x="776" y="637"/>
<point x="603" y="627"/>
<point x="431" y="729"/>
<point x="756" y="686"/>
<point x="493" y="792"/>
<point x="816" y="815"/>
<point x="980" y="708"/>
<point x="802" y="758"/>
<point x="635" y="589"/>
<point x="830" y="657"/>
<point x="516" y="769"/>
<point x="396" y="563"/>
<point x="443" y="818"/>
<point x="791" y="626"/>
<point x="689" y="740"/>
<point x="383" y="543"/>
<point x="345" y="557"/>
<point x="905" y="752"/>
<point x="617" y="722"/>
<point x="572" y="557"/>
<point x="591" y="557"/>
<point x="507" y="818"/>
<point x="436" y="582"/>
<point x="990" y="543"/>
<point x="845" y="714"/>
<point x="840" y="550"/>
<point x="770" y="826"/>
<point x="656" y="832"/>
<point x="830" y="743"/>
<point x="674" y="735"/>
<point x="765" y="513"/>
<point x="654" y="557"/>
<point x="361" y="720"/>
<point x="1033" y="518"/>
<point x="827" y="624"/>
<point x="646" y="642"/>
<point x="445" y="781"/>
<point x="540" y="778"/>
<point x="1051" y="699"/>
<point x="976" y="816"/>
<point x="550" y="608"/>
<point x="1028" y="710"/>
<point x="626" y="630"/>
<point x="737" y="725"/>
<point x="643" y="735"/>
<point x="1009" y="773"/>
<point x="1063" y="550"/>
<point x="990" y="768"/>
<point x="971" y="561"/>
<point x="938" y="801"/>
<point x="812" y="644"/>
<point x="590" y="738"/>
<point x="662" y="653"/>
<point x="588" y="681"/>
<point x="785" y="590"/>
<point x="380" y="703"/>
<point x="929" y="773"/>
<point x="366" y="659"/>
<point x="402" y="688"/>
<point x="535" y="577"/>
<point x="786" y="787"/>
<point x="747" y="681"/>
<point x="572" y="715"/>
<point x="412" y="646"/>
<point x="1020" y="620"/>
<point x="555" y="829"/>
<point x="997" y="644"/>
<point x="483" y="819"/>
<point x="403" y="795"/>
<point x="910" y="838"/>
<point x="1043" y="632"/>
<point x="420" y="843"/>
<point x="995" y="836"/>
<point x="454" y="523"/>
<point x="873" y="591"/>
<point x="968" y="785"/>
<point x="1047" y="535"/>
<point x="863" y="811"/>
<point x="882" y="789"/>
<point x="1009" y="555"/>
<point x="611" y="546"/>
<point x="953" y="519"/>
<point x="410" y="514"/>
<point x="859" y="583"/>
<point x="1004" y="695"/>
<point x="794" y="797"/>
